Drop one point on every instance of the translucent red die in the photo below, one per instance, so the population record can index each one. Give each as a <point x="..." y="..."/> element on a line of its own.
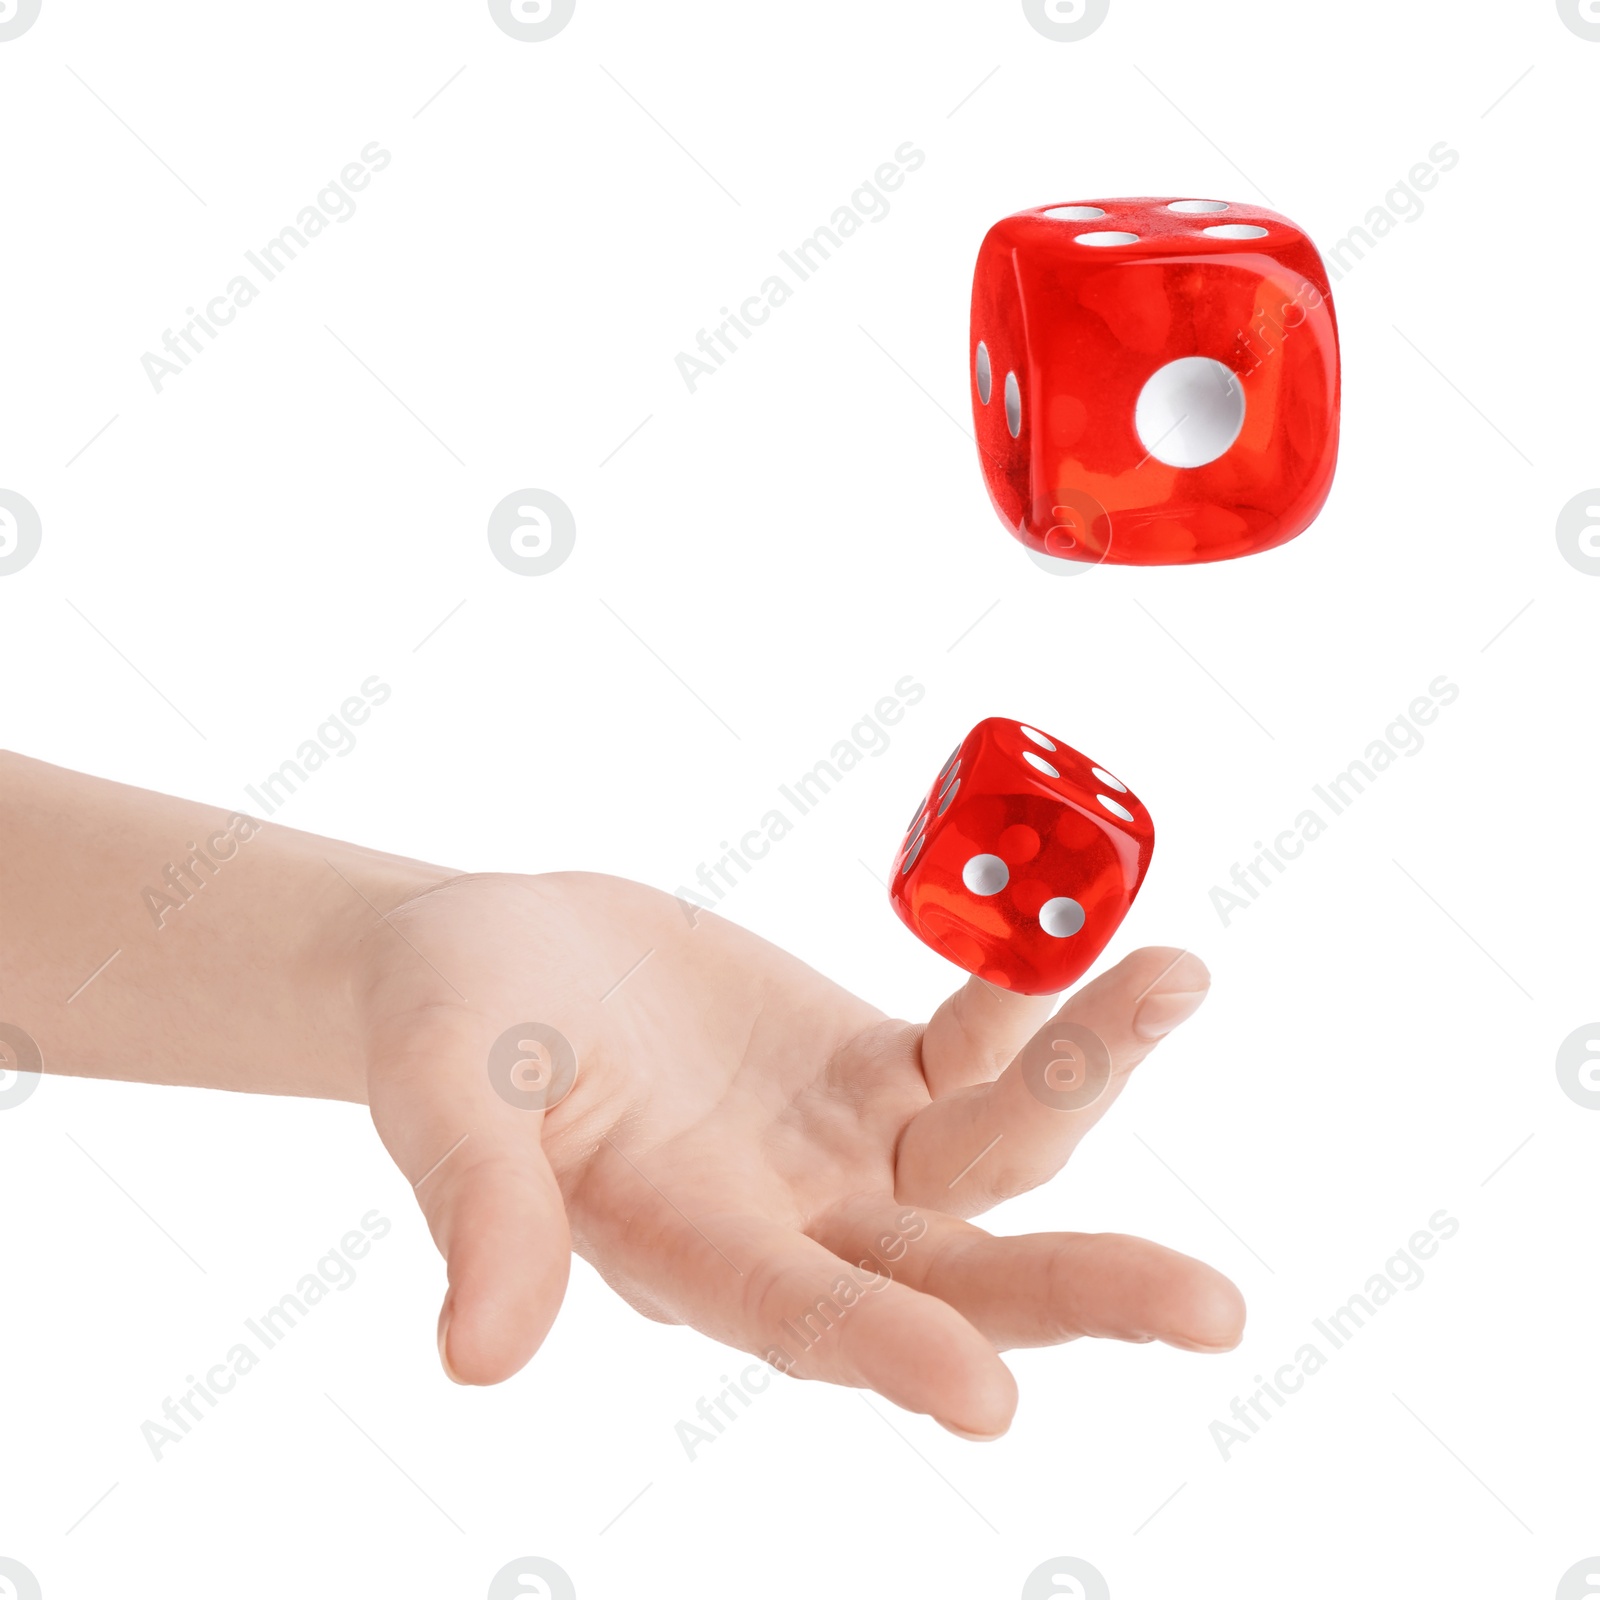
<point x="1022" y="860"/>
<point x="1154" y="381"/>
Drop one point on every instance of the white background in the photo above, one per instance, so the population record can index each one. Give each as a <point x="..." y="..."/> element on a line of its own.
<point x="806" y="529"/>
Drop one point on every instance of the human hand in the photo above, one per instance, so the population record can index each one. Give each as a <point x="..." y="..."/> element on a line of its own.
<point x="751" y="1150"/>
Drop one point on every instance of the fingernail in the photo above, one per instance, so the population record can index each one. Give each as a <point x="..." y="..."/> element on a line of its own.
<point x="1159" y="1014"/>
<point x="974" y="1438"/>
<point x="444" y="1355"/>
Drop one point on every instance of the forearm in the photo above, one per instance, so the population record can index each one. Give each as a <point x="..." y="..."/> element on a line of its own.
<point x="156" y="940"/>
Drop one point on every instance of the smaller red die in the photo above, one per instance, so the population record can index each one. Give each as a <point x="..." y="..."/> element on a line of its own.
<point x="1023" y="859"/>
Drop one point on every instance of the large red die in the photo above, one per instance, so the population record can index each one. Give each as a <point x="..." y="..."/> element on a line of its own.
<point x="1022" y="860"/>
<point x="1154" y="381"/>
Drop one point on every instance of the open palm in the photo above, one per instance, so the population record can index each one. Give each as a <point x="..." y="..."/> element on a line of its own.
<point x="747" y="1148"/>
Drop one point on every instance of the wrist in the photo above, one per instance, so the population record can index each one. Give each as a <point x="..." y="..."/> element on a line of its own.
<point x="346" y="932"/>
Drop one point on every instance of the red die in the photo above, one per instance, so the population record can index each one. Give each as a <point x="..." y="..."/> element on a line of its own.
<point x="1155" y="382"/>
<point x="1023" y="859"/>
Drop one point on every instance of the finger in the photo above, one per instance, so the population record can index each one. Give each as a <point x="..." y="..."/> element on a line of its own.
<point x="491" y="1201"/>
<point x="976" y="1032"/>
<point x="1048" y="1288"/>
<point x="787" y="1299"/>
<point x="809" y="1312"/>
<point x="971" y="1149"/>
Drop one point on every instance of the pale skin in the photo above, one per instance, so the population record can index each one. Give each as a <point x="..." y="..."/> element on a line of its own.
<point x="746" y="1148"/>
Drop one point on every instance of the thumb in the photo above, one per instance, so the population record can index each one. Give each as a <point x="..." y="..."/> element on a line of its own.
<point x="461" y="1112"/>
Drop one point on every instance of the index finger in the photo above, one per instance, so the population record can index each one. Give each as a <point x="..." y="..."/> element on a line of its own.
<point x="971" y="1149"/>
